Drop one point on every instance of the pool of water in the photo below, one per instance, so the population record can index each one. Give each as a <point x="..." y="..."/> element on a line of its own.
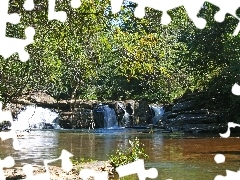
<point x="176" y="156"/>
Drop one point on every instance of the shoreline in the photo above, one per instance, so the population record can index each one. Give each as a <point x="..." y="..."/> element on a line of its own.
<point x="56" y="173"/>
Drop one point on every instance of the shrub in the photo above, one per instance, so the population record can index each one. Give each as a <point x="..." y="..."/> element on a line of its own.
<point x="131" y="154"/>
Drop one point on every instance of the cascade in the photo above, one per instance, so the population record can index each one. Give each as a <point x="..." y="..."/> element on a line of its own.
<point x="105" y="117"/>
<point x="33" y="117"/>
<point x="158" y="113"/>
<point x="125" y="119"/>
<point x="110" y="119"/>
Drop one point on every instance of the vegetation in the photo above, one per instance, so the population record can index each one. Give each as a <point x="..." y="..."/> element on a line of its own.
<point x="78" y="161"/>
<point x="98" y="55"/>
<point x="126" y="156"/>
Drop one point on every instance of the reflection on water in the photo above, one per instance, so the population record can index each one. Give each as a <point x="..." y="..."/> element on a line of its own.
<point x="36" y="146"/>
<point x="175" y="157"/>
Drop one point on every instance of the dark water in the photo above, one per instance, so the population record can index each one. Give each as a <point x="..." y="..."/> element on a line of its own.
<point x="176" y="156"/>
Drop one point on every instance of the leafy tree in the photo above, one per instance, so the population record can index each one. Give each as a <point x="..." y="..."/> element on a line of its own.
<point x="98" y="55"/>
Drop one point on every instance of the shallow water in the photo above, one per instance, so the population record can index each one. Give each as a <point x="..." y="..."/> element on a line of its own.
<point x="176" y="156"/>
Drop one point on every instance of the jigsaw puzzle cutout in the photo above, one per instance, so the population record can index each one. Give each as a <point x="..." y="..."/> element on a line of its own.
<point x="60" y="15"/>
<point x="85" y="174"/>
<point x="10" y="45"/>
<point x="220" y="158"/>
<point x="236" y="89"/>
<point x="138" y="168"/>
<point x="14" y="45"/>
<point x="7" y="116"/>
<point x="66" y="166"/>
<point x="230" y="175"/>
<point x="230" y="125"/>
<point x="192" y="8"/>
<point x="52" y="14"/>
<point x="7" y="162"/>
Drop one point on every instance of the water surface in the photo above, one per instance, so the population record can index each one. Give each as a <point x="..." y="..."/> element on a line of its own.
<point x="176" y="156"/>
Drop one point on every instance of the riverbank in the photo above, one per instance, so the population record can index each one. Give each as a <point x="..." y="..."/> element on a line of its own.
<point x="56" y="173"/>
<point x="193" y="112"/>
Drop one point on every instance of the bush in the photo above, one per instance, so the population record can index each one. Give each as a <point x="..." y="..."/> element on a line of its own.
<point x="134" y="152"/>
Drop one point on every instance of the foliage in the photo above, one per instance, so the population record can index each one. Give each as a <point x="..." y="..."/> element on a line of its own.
<point x="76" y="161"/>
<point x="131" y="154"/>
<point x="98" y="55"/>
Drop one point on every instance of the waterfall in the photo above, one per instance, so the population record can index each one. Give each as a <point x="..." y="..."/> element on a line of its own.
<point x="110" y="119"/>
<point x="158" y="113"/>
<point x="105" y="117"/>
<point x="125" y="120"/>
<point x="33" y="117"/>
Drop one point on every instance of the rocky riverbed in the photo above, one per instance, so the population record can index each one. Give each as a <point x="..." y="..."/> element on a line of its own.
<point x="199" y="112"/>
<point x="56" y="173"/>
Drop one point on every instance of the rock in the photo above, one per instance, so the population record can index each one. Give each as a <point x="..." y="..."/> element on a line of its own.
<point x="196" y="119"/>
<point x="66" y="124"/>
<point x="35" y="98"/>
<point x="191" y="108"/>
<point x="57" y="173"/>
<point x="42" y="97"/>
<point x="194" y="112"/>
<point x="63" y="105"/>
<point x="205" y="128"/>
<point x="143" y="113"/>
<point x="201" y="111"/>
<point x="170" y="115"/>
<point x="182" y="106"/>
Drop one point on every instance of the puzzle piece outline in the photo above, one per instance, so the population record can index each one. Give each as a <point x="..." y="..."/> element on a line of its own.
<point x="62" y="17"/>
<point x="10" y="45"/>
<point x="7" y="116"/>
<point x="137" y="167"/>
<point x="7" y="162"/>
<point x="192" y="8"/>
<point x="66" y="166"/>
<point x="230" y="175"/>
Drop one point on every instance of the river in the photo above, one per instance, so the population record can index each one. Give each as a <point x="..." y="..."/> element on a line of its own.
<point x="176" y="156"/>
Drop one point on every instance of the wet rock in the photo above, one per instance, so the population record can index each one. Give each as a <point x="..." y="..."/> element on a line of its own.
<point x="201" y="111"/>
<point x="169" y="115"/>
<point x="143" y="113"/>
<point x="205" y="128"/>
<point x="66" y="124"/>
<point x="183" y="106"/>
<point x="193" y="112"/>
<point x="196" y="118"/>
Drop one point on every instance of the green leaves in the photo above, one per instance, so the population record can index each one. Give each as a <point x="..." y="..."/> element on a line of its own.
<point x="131" y="154"/>
<point x="96" y="54"/>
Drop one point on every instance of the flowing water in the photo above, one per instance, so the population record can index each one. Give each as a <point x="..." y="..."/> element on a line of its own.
<point x="176" y="156"/>
<point x="158" y="111"/>
<point x="33" y="117"/>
